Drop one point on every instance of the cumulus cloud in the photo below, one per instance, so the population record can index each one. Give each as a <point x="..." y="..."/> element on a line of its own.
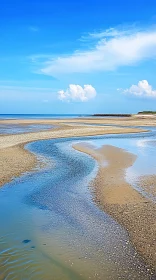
<point x="141" y="89"/>
<point x="77" y="93"/>
<point x="109" y="50"/>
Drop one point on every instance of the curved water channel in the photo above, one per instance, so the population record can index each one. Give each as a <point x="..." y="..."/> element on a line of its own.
<point x="52" y="229"/>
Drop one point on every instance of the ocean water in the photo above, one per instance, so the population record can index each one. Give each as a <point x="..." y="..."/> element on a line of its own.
<point x="41" y="116"/>
<point x="52" y="228"/>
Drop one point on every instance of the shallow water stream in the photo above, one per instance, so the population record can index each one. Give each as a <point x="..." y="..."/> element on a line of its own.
<point x="52" y="229"/>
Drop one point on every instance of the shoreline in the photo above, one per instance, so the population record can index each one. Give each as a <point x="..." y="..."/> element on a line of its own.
<point x="134" y="120"/>
<point x="65" y="131"/>
<point x="118" y="198"/>
<point x="12" y="151"/>
<point x="127" y="210"/>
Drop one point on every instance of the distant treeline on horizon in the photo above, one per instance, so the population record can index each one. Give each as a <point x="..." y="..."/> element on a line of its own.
<point x="112" y="115"/>
<point x="124" y="115"/>
<point x="147" y="112"/>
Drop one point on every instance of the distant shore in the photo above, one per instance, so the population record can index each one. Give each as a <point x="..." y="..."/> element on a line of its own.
<point x="146" y="113"/>
<point x="134" y="120"/>
<point x="112" y="115"/>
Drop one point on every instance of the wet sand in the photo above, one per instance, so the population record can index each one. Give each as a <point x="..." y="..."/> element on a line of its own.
<point x="112" y="192"/>
<point x="148" y="184"/>
<point x="119" y="199"/>
<point x="64" y="131"/>
<point x="134" y="120"/>
<point x="14" y="160"/>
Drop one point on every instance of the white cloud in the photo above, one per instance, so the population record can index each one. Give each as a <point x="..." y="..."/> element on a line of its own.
<point x="112" y="49"/>
<point x="110" y="32"/>
<point x="141" y="89"/>
<point x="77" y="93"/>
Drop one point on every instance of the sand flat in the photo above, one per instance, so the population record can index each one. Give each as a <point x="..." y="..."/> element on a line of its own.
<point x="134" y="120"/>
<point x="148" y="184"/>
<point x="111" y="190"/>
<point x="14" y="161"/>
<point x="63" y="132"/>
<point x="10" y="160"/>
<point x="119" y="199"/>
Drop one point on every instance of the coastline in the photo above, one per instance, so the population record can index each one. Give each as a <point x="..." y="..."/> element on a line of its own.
<point x="64" y="131"/>
<point x="134" y="120"/>
<point x="123" y="203"/>
<point x="12" y="152"/>
<point x="118" y="198"/>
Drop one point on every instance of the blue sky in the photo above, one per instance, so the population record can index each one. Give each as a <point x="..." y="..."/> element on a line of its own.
<point x="77" y="56"/>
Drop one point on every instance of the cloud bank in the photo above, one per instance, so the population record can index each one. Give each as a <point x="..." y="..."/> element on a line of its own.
<point x="142" y="89"/>
<point x="107" y="51"/>
<point x="77" y="93"/>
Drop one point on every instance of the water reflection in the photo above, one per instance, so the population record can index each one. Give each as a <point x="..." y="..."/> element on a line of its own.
<point x="17" y="129"/>
<point x="53" y="230"/>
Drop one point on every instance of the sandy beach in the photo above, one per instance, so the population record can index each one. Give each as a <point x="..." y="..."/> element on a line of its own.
<point x="134" y="120"/>
<point x="12" y="152"/>
<point x="111" y="191"/>
<point x="78" y="140"/>
<point x="148" y="184"/>
<point x="14" y="161"/>
<point x="119" y="199"/>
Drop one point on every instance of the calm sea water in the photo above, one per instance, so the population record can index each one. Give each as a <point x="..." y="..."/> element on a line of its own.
<point x="52" y="229"/>
<point x="41" y="116"/>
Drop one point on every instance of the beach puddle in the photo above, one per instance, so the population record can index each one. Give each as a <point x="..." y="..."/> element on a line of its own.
<point x="18" y="129"/>
<point x="141" y="174"/>
<point x="52" y="229"/>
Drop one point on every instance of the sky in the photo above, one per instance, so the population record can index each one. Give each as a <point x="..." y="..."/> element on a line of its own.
<point x="77" y="57"/>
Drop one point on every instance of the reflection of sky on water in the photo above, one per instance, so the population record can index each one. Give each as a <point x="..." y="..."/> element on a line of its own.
<point x="53" y="208"/>
<point x="143" y="146"/>
<point x="17" y="129"/>
<point x="144" y="149"/>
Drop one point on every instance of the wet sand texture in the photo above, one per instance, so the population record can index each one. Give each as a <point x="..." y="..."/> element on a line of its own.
<point x="136" y="213"/>
<point x="14" y="160"/>
<point x="134" y="120"/>
<point x="63" y="132"/>
<point x="148" y="184"/>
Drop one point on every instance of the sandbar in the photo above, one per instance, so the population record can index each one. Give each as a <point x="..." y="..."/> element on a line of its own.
<point x="111" y="191"/>
<point x="14" y="159"/>
<point x="120" y="200"/>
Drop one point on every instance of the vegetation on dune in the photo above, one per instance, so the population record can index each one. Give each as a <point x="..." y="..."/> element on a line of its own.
<point x="112" y="115"/>
<point x="147" y="112"/>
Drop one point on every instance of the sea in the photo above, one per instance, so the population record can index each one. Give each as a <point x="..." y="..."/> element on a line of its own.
<point x="42" y="116"/>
